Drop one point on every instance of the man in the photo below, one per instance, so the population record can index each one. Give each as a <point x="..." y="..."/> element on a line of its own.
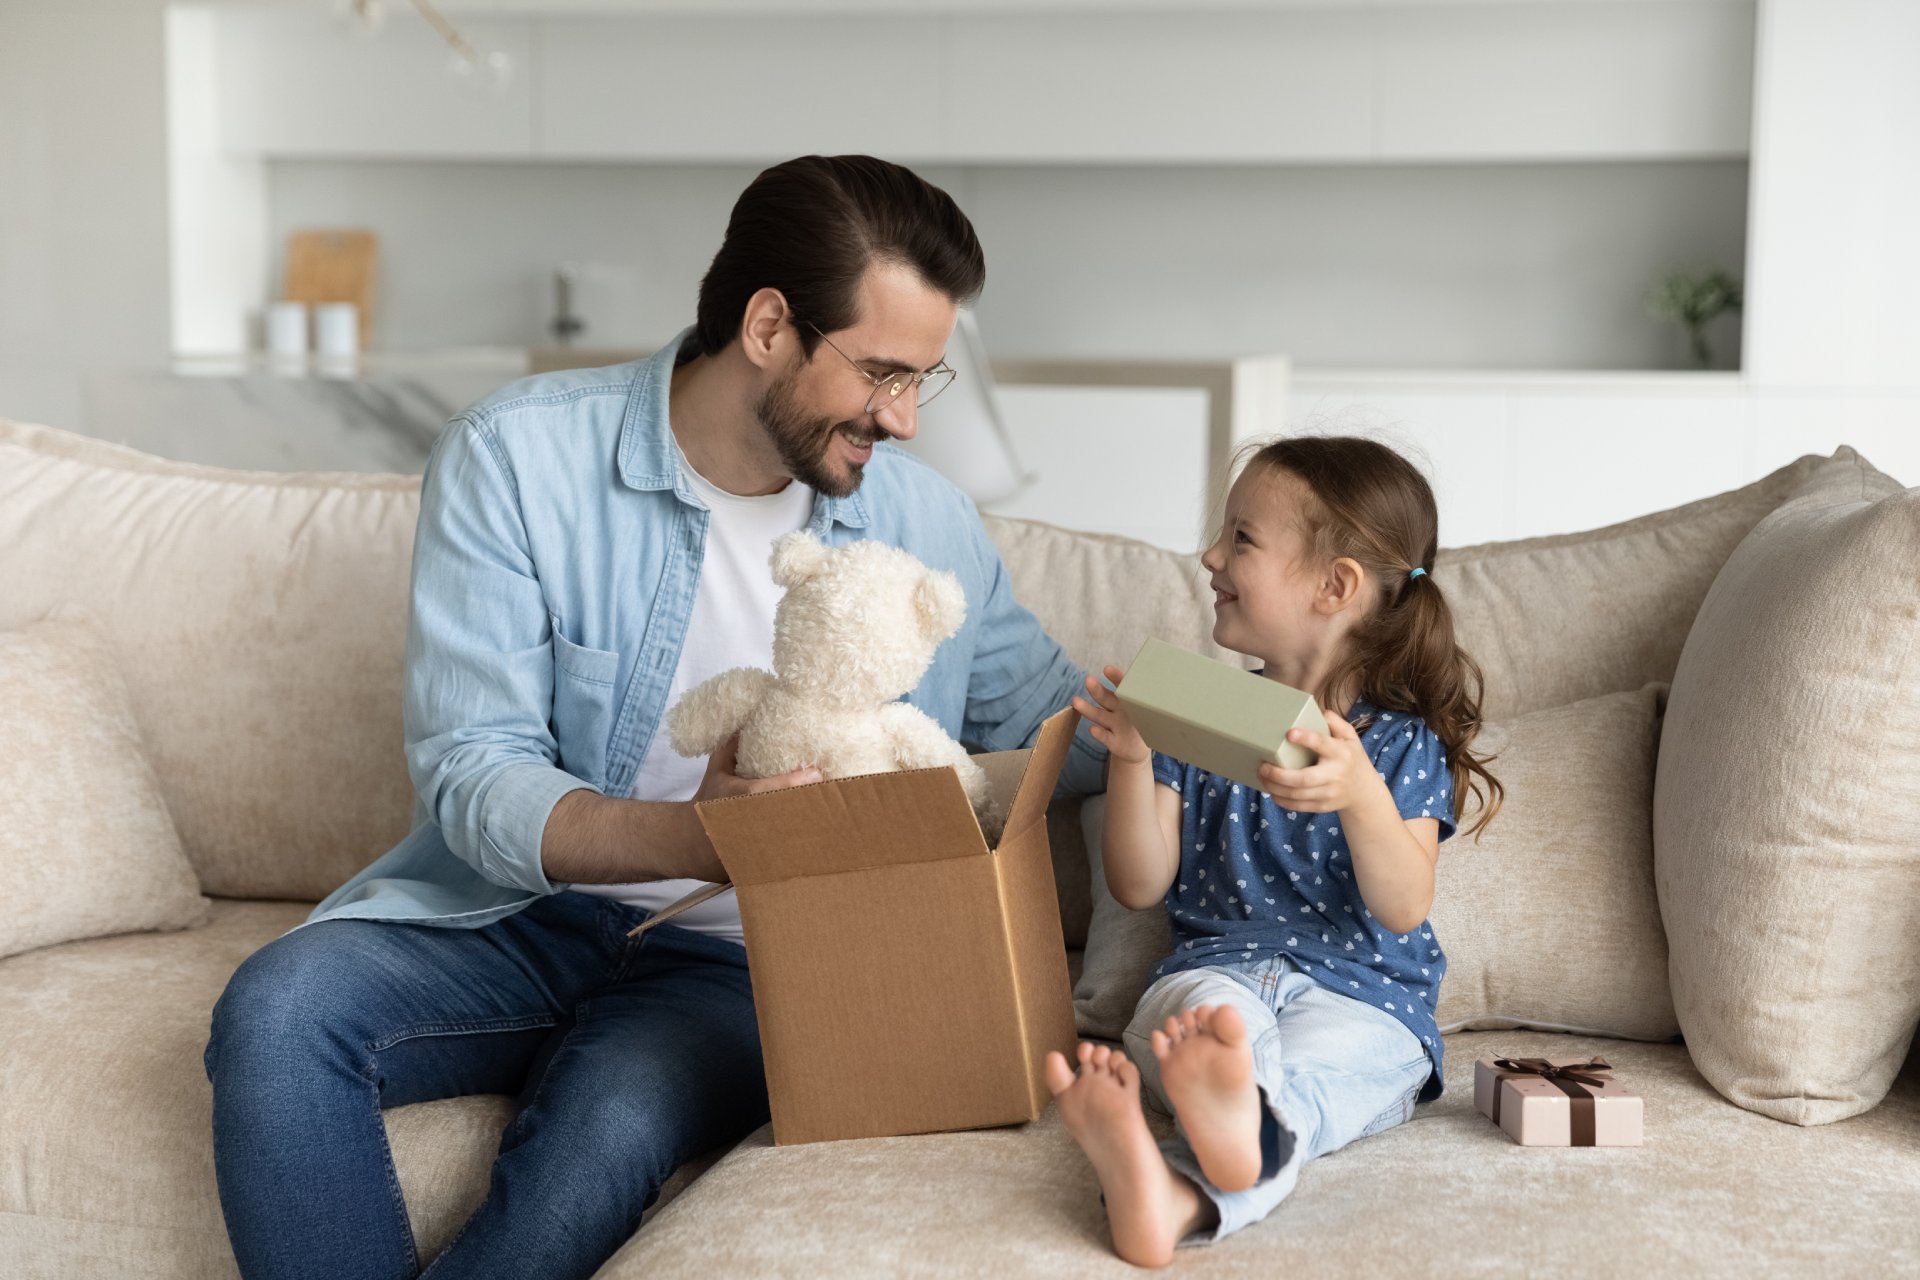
<point x="590" y="545"/>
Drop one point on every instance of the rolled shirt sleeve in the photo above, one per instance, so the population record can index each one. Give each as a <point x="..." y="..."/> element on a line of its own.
<point x="479" y="668"/>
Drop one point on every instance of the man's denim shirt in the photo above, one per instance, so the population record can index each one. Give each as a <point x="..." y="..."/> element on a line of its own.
<point x="553" y="575"/>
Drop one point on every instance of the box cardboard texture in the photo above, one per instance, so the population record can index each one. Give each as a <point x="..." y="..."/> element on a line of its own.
<point x="907" y="978"/>
<point x="1223" y="719"/>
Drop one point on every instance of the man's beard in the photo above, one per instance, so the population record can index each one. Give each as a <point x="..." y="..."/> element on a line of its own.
<point x="802" y="439"/>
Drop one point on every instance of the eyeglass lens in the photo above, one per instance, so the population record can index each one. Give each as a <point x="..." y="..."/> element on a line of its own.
<point x="887" y="390"/>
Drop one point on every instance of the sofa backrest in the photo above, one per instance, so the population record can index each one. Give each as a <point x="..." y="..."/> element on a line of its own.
<point x="260" y="621"/>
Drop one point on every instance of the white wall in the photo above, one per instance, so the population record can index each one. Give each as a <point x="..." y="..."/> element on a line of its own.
<point x="1833" y="288"/>
<point x="83" y="214"/>
<point x="1445" y="266"/>
<point x="1517" y="457"/>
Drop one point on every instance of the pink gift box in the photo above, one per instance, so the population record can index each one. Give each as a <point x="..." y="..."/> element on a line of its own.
<point x="1557" y="1102"/>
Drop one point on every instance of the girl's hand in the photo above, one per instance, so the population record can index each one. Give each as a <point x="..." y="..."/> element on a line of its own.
<point x="1112" y="728"/>
<point x="1342" y="777"/>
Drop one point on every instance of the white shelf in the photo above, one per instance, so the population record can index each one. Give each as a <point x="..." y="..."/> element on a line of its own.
<point x="981" y="84"/>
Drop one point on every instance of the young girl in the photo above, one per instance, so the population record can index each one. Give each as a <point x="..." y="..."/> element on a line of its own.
<point x="1296" y="1011"/>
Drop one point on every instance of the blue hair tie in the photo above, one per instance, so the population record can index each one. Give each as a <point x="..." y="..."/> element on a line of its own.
<point x="1418" y="573"/>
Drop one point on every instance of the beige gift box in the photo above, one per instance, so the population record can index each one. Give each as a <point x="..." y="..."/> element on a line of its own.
<point x="1557" y="1102"/>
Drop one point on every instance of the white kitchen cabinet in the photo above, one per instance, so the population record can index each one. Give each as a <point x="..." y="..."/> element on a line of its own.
<point x="747" y="87"/>
<point x="303" y="83"/>
<point x="1564" y="81"/>
<point x="1295" y="85"/>
<point x="1309" y="83"/>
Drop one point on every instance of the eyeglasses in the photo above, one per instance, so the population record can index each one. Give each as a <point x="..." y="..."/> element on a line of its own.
<point x="889" y="387"/>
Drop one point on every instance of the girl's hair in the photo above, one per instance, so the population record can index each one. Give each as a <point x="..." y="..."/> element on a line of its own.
<point x="1366" y="502"/>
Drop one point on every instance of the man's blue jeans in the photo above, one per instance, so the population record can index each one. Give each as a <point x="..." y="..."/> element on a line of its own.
<point x="627" y="1056"/>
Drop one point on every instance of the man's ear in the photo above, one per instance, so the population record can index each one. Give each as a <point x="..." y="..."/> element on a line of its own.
<point x="766" y="329"/>
<point x="798" y="557"/>
<point x="1342" y="586"/>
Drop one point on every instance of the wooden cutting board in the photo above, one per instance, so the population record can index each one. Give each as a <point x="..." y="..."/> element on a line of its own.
<point x="334" y="265"/>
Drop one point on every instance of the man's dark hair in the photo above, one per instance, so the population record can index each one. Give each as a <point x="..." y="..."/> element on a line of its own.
<point x="811" y="227"/>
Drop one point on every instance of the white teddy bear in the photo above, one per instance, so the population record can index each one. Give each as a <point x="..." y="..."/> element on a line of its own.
<point x="856" y="629"/>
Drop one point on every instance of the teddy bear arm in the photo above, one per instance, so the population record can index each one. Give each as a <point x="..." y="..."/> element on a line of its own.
<point x="920" y="743"/>
<point x="716" y="708"/>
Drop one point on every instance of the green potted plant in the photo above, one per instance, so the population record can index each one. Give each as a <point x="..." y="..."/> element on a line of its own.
<point x="1695" y="299"/>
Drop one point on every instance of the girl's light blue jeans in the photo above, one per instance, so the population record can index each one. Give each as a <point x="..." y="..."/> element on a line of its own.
<point x="1330" y="1069"/>
<point x="627" y="1056"/>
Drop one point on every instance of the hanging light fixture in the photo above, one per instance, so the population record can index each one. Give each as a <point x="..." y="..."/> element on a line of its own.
<point x="485" y="70"/>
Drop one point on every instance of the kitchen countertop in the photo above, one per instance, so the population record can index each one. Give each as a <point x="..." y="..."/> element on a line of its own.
<point x="381" y="412"/>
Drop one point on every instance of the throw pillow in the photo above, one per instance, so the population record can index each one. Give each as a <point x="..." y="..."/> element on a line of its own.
<point x="86" y="846"/>
<point x="268" y="611"/>
<point x="1549" y="920"/>
<point x="1787" y="807"/>
<point x="1122" y="946"/>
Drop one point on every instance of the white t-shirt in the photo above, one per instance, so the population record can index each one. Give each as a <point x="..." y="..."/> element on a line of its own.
<point x="731" y="626"/>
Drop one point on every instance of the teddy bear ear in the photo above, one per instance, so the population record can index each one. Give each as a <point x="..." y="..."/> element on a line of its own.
<point x="798" y="557"/>
<point x="940" y="604"/>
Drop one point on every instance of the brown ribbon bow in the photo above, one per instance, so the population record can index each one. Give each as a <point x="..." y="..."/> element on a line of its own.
<point x="1569" y="1079"/>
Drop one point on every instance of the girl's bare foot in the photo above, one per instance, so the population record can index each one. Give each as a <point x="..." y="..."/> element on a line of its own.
<point x="1149" y="1206"/>
<point x="1206" y="1067"/>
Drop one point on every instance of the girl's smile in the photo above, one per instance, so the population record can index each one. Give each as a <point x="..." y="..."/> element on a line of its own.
<point x="1273" y="598"/>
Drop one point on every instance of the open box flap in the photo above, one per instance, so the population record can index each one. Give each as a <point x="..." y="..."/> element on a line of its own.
<point x="843" y="824"/>
<point x="1035" y="791"/>
<point x="874" y="820"/>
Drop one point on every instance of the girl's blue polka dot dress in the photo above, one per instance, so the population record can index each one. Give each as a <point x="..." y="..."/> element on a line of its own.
<point x="1256" y="879"/>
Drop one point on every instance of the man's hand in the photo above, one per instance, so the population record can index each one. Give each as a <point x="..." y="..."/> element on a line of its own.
<point x="1112" y="726"/>
<point x="596" y="839"/>
<point x="1341" y="778"/>
<point x="720" y="780"/>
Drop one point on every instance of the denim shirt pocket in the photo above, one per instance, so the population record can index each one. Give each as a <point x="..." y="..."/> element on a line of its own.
<point x="583" y="698"/>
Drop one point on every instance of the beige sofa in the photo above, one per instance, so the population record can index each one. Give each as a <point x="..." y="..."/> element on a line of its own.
<point x="257" y="621"/>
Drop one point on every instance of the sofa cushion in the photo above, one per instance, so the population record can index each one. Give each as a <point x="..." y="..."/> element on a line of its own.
<point x="105" y="1122"/>
<point x="1122" y="946"/>
<point x="260" y="622"/>
<point x="1549" y="919"/>
<point x="1447" y="1194"/>
<point x="86" y="846"/>
<point x="1787" y="807"/>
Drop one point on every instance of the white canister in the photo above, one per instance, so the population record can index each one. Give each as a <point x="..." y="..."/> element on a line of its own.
<point x="336" y="329"/>
<point x="287" y="328"/>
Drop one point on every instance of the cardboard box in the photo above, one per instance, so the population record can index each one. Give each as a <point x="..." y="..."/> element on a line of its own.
<point x="1571" y="1102"/>
<point x="1223" y="719"/>
<point x="907" y="978"/>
